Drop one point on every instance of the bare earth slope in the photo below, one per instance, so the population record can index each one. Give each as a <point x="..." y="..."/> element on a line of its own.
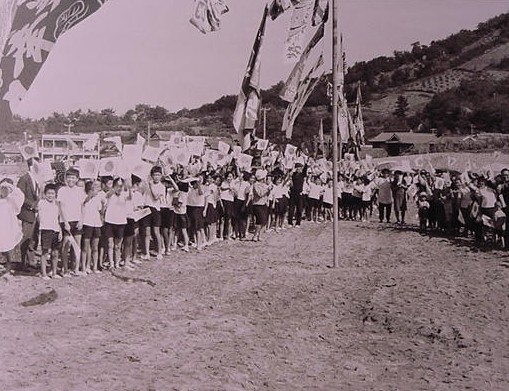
<point x="401" y="312"/>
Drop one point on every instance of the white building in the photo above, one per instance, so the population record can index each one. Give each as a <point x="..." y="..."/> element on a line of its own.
<point x="75" y="146"/>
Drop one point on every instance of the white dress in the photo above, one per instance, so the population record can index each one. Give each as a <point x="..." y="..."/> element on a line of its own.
<point x="10" y="229"/>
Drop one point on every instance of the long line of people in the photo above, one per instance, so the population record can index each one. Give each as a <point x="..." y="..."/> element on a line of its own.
<point x="86" y="226"/>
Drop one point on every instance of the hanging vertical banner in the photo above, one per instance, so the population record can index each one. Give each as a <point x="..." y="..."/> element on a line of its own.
<point x="358" y="120"/>
<point x="301" y="19"/>
<point x="320" y="12"/>
<point x="35" y="27"/>
<point x="278" y="7"/>
<point x="304" y="90"/>
<point x="248" y="101"/>
<point x="289" y="90"/>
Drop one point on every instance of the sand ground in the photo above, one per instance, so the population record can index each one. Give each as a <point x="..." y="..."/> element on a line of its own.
<point x="400" y="312"/>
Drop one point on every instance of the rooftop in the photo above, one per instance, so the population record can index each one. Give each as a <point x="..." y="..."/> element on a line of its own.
<point x="405" y="138"/>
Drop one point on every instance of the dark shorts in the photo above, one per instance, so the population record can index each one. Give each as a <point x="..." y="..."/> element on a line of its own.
<point x="49" y="241"/>
<point x="152" y="220"/>
<point x="228" y="209"/>
<point x="91" y="232"/>
<point x="130" y="228"/>
<point x="261" y="214"/>
<point x="114" y="230"/>
<point x="195" y="214"/>
<point x="326" y="205"/>
<point x="280" y="206"/>
<point x="313" y="202"/>
<point x="167" y="218"/>
<point x="74" y="229"/>
<point x="181" y="221"/>
<point x="212" y="215"/>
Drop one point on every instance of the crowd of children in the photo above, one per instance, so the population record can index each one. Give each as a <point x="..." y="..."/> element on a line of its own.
<point x="89" y="225"/>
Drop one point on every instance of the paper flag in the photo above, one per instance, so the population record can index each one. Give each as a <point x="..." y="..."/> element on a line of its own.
<point x="140" y="141"/>
<point x="42" y="171"/>
<point x="290" y="150"/>
<point x="141" y="213"/>
<point x="177" y="139"/>
<point x="180" y="156"/>
<point x="244" y="161"/>
<point x="29" y="151"/>
<point x="151" y="154"/>
<point x="109" y="166"/>
<point x="236" y="151"/>
<point x="141" y="169"/>
<point x="132" y="152"/>
<point x="262" y="144"/>
<point x="223" y="147"/>
<point x="117" y="141"/>
<point x="89" y="168"/>
<point x="91" y="142"/>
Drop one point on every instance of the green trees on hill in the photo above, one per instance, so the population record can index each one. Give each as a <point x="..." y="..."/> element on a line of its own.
<point x="481" y="104"/>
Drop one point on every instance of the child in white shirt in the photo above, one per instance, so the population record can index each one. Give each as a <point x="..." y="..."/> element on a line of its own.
<point x="93" y="219"/>
<point x="49" y="212"/>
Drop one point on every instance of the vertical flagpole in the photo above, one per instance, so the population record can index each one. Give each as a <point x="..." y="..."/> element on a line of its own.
<point x="335" y="156"/>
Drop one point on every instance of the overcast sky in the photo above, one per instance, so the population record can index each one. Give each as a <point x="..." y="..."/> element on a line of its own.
<point x="145" y="51"/>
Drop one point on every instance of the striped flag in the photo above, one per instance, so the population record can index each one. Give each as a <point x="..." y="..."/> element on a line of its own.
<point x="248" y="101"/>
<point x="34" y="27"/>
<point x="304" y="90"/>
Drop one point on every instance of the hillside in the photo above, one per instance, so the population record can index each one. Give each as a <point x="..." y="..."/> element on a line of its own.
<point x="455" y="85"/>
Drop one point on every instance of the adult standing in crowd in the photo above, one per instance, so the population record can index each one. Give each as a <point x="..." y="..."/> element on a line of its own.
<point x="296" y="199"/>
<point x="28" y="216"/>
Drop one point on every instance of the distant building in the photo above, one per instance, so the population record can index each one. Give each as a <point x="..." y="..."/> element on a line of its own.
<point x="10" y="154"/>
<point x="406" y="142"/>
<point x="57" y="147"/>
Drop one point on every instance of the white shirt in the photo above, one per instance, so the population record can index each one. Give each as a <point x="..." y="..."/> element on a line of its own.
<point x="48" y="216"/>
<point x="327" y="195"/>
<point x="92" y="212"/>
<point x="159" y="191"/>
<point x="226" y="191"/>
<point x="314" y="191"/>
<point x="71" y="199"/>
<point x="384" y="190"/>
<point x="117" y="209"/>
<point x="241" y="188"/>
<point x="194" y="198"/>
<point x="181" y="208"/>
<point x="211" y="194"/>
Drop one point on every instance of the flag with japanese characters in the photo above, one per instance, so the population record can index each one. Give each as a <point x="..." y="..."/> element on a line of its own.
<point x="35" y="26"/>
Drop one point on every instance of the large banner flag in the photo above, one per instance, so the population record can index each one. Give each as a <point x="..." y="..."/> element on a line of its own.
<point x="304" y="90"/>
<point x="35" y="27"/>
<point x="358" y="120"/>
<point x="301" y="19"/>
<point x="248" y="102"/>
<point x="320" y="12"/>
<point x="207" y="15"/>
<point x="290" y="88"/>
<point x="278" y="7"/>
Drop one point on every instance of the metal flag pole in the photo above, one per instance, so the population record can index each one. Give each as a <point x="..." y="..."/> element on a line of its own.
<point x="335" y="156"/>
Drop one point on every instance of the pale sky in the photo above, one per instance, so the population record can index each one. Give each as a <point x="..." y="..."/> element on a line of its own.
<point x="146" y="51"/>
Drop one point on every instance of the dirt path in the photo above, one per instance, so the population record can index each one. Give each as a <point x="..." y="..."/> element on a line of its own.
<point x="401" y="312"/>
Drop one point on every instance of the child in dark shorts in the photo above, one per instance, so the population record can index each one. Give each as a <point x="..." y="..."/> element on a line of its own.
<point x="93" y="216"/>
<point x="51" y="234"/>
